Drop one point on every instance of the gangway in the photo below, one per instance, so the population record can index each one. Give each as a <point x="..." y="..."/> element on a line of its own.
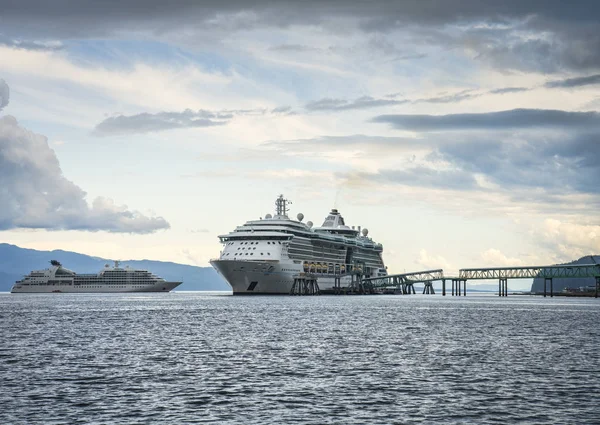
<point x="404" y="282"/>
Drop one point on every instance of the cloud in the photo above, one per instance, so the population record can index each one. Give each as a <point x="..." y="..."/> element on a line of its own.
<point x="343" y="105"/>
<point x="294" y="48"/>
<point x="4" y="94"/>
<point x="509" y="90"/>
<point x="366" y="102"/>
<point x="146" y="122"/>
<point x="560" y="163"/>
<point x="451" y="98"/>
<point x="495" y="258"/>
<point x="568" y="240"/>
<point x="36" y="195"/>
<point x="574" y="82"/>
<point x="524" y="35"/>
<point x="161" y="121"/>
<point x="512" y="119"/>
<point x="427" y="261"/>
<point x="31" y="45"/>
<point x="337" y="143"/>
<point x="418" y="176"/>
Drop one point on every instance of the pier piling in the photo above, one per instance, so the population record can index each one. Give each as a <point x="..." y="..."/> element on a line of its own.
<point x="546" y="280"/>
<point x="428" y="288"/>
<point x="305" y="285"/>
<point x="443" y="287"/>
<point x="503" y="287"/>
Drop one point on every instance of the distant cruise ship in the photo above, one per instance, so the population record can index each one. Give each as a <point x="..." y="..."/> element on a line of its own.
<point x="263" y="256"/>
<point x="110" y="279"/>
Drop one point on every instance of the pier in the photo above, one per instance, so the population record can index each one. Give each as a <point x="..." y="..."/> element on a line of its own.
<point x="546" y="272"/>
<point x="403" y="283"/>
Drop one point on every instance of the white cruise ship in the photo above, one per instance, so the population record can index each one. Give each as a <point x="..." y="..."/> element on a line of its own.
<point x="263" y="256"/>
<point x="109" y="279"/>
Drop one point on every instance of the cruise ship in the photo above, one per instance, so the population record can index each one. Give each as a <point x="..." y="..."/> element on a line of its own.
<point x="264" y="256"/>
<point x="110" y="279"/>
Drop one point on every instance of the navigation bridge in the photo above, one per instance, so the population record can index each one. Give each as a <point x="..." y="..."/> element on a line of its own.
<point x="403" y="283"/>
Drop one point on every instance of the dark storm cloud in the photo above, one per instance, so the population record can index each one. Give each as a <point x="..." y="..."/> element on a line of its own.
<point x="516" y="118"/>
<point x="36" y="195"/>
<point x="527" y="35"/>
<point x="574" y="82"/>
<point x="380" y="13"/>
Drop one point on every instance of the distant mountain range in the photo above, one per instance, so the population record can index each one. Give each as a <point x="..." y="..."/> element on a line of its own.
<point x="15" y="262"/>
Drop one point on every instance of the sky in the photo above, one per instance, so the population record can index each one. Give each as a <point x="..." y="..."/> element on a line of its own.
<point x="460" y="133"/>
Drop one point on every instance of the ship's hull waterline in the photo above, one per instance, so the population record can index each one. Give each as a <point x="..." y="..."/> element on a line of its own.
<point x="267" y="278"/>
<point x="82" y="289"/>
<point x="58" y="279"/>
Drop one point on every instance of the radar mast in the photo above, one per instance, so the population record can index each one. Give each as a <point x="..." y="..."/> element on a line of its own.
<point x="281" y="208"/>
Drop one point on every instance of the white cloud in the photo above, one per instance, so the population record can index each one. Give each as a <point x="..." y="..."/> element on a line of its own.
<point x="569" y="241"/>
<point x="495" y="258"/>
<point x="35" y="194"/>
<point x="431" y="261"/>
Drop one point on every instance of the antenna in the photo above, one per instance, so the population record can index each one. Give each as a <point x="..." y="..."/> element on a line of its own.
<point x="281" y="206"/>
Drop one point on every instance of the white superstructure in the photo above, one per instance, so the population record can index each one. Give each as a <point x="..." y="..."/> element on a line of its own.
<point x="263" y="256"/>
<point x="109" y="279"/>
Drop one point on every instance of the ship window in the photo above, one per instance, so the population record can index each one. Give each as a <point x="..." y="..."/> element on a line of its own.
<point x="262" y="253"/>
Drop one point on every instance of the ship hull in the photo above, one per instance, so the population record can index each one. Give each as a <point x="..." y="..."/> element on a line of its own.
<point x="267" y="277"/>
<point x="47" y="289"/>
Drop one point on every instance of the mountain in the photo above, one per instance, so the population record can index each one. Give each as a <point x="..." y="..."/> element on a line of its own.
<point x="568" y="282"/>
<point x="15" y="262"/>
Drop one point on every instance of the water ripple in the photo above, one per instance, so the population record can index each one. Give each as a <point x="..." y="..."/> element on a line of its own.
<point x="190" y="358"/>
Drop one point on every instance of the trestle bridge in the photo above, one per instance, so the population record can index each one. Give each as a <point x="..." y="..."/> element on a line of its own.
<point x="403" y="283"/>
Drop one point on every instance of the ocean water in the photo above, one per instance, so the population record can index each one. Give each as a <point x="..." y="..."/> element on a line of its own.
<point x="182" y="358"/>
